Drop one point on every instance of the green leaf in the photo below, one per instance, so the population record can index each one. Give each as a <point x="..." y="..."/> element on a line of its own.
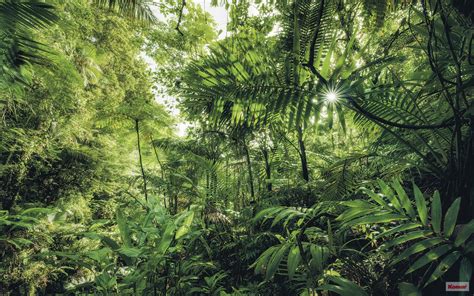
<point x="397" y="229"/>
<point x="469" y="248"/>
<point x="408" y="289"/>
<point x="327" y="60"/>
<point x="98" y="255"/>
<point x="166" y="238"/>
<point x="261" y="263"/>
<point x="344" y="287"/>
<point x="404" y="200"/>
<point x="129" y="252"/>
<point x="420" y="205"/>
<point x="123" y="228"/>
<point x="109" y="242"/>
<point x="429" y="257"/>
<point x="353" y="213"/>
<point x="275" y="260"/>
<point x="358" y="203"/>
<point x="387" y="191"/>
<point x="405" y="238"/>
<point x="464" y="234"/>
<point x="380" y="218"/>
<point x="418" y="247"/>
<point x="270" y="212"/>
<point x="319" y="256"/>
<point x="451" y="217"/>
<point x="186" y="226"/>
<point x="286" y="213"/>
<point x="294" y="259"/>
<point x="115" y="247"/>
<point x="378" y="198"/>
<point x="340" y="116"/>
<point x="465" y="270"/>
<point x="436" y="212"/>
<point x="443" y="266"/>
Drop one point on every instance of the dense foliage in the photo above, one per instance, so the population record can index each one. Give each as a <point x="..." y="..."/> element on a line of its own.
<point x="329" y="147"/>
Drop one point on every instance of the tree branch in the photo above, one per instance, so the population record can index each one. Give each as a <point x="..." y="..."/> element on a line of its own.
<point x="180" y="17"/>
<point x="447" y="123"/>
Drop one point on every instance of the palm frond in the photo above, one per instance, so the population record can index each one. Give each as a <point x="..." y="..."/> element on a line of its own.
<point x="17" y="19"/>
<point x="309" y="23"/>
<point x="136" y="9"/>
<point x="26" y="14"/>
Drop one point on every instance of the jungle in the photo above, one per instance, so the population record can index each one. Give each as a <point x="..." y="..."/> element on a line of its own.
<point x="236" y="147"/>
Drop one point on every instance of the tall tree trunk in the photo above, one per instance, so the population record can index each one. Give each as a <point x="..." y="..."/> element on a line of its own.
<point x="176" y="203"/>
<point x="137" y="129"/>
<point x="249" y="168"/>
<point x="302" y="152"/>
<point x="268" y="171"/>
<point x="161" y="169"/>
<point x="170" y="197"/>
<point x="208" y="186"/>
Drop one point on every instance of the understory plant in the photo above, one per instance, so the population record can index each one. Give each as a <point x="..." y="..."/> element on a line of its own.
<point x="420" y="244"/>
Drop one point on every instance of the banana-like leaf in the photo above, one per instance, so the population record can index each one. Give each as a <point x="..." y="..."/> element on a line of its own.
<point x="404" y="200"/>
<point x="130" y="251"/>
<point x="261" y="263"/>
<point x="406" y="238"/>
<point x="408" y="289"/>
<point x="436" y="212"/>
<point x="343" y="287"/>
<point x="398" y="229"/>
<point x="354" y="213"/>
<point x="417" y="248"/>
<point x="451" y="217"/>
<point x="123" y="228"/>
<point x="388" y="192"/>
<point x="275" y="261"/>
<point x="429" y="257"/>
<point x="186" y="226"/>
<point x="319" y="255"/>
<point x="377" y="218"/>
<point x="294" y="259"/>
<point x="420" y="205"/>
<point x="378" y="198"/>
<point x="465" y="270"/>
<point x="444" y="266"/>
<point x="288" y="213"/>
<point x="166" y="238"/>
<point x="466" y="231"/>
<point x="266" y="213"/>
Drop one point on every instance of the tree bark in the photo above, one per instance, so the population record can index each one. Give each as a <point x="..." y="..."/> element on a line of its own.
<point x="302" y="152"/>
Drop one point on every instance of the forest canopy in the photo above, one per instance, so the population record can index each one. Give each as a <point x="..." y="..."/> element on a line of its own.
<point x="304" y="147"/>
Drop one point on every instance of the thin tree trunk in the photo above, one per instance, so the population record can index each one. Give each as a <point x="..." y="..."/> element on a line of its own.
<point x="161" y="169"/>
<point x="304" y="161"/>
<point x="137" y="129"/>
<point x="208" y="184"/>
<point x="268" y="171"/>
<point x="176" y="203"/>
